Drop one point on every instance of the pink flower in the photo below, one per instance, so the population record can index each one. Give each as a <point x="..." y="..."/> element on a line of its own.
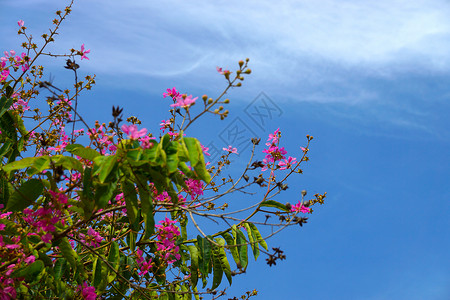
<point x="205" y="150"/>
<point x="184" y="101"/>
<point x="299" y="207"/>
<point x="195" y="187"/>
<point x="230" y="149"/>
<point x="145" y="142"/>
<point x="164" y="124"/>
<point x="4" y="74"/>
<point x="273" y="138"/>
<point x="46" y="238"/>
<point x="30" y="259"/>
<point x="21" y="23"/>
<point x="171" y="93"/>
<point x="132" y="131"/>
<point x="83" y="52"/>
<point x="223" y="72"/>
<point x="287" y="163"/>
<point x="88" y="292"/>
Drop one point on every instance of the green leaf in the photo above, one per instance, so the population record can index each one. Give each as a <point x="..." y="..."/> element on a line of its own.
<point x="107" y="164"/>
<point x="205" y="250"/>
<point x="67" y="162"/>
<point x="100" y="272"/>
<point x="87" y="196"/>
<point x="113" y="259"/>
<point x="60" y="268"/>
<point x="104" y="193"/>
<point x="147" y="206"/>
<point x="20" y="164"/>
<point x="40" y="164"/>
<point x="242" y="247"/>
<point x="196" y="158"/>
<point x="81" y="151"/>
<point x="223" y="259"/>
<point x="131" y="240"/>
<point x="31" y="271"/>
<point x="193" y="150"/>
<point x="18" y="124"/>
<point x="7" y="145"/>
<point x="69" y="254"/>
<point x="129" y="192"/>
<point x="6" y="189"/>
<point x="194" y="264"/>
<point x="252" y="240"/>
<point x="217" y="268"/>
<point x="172" y="156"/>
<point x="26" y="195"/>
<point x="45" y="259"/>
<point x="5" y="104"/>
<point x="231" y="243"/>
<point x="273" y="203"/>
<point x="259" y="238"/>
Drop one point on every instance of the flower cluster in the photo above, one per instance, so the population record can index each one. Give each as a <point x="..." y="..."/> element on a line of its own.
<point x="87" y="291"/>
<point x="180" y="100"/>
<point x="104" y="140"/>
<point x="276" y="154"/>
<point x="15" y="61"/>
<point x="184" y="101"/>
<point x="43" y="221"/>
<point x="167" y="235"/>
<point x="195" y="187"/>
<point x="92" y="239"/>
<point x="140" y="135"/>
<point x="299" y="207"/>
<point x="144" y="265"/>
<point x="230" y="149"/>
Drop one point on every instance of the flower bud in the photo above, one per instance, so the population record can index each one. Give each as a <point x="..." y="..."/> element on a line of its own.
<point x="210" y="100"/>
<point x="226" y="101"/>
<point x="241" y="63"/>
<point x="238" y="84"/>
<point x="204" y="97"/>
<point x="248" y="71"/>
<point x="220" y="108"/>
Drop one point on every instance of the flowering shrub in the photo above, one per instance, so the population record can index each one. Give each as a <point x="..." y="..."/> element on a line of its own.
<point x="109" y="218"/>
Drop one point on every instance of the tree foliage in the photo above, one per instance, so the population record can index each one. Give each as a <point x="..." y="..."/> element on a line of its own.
<point x="112" y="211"/>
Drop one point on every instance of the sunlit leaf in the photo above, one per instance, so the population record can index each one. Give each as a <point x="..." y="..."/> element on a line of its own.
<point x="242" y="248"/>
<point x="259" y="238"/>
<point x="232" y="247"/>
<point x="217" y="268"/>
<point x="223" y="259"/>
<point x="252" y="240"/>
<point x="68" y="252"/>
<point x="273" y="203"/>
<point x="25" y="196"/>
<point x="81" y="151"/>
<point x="129" y="193"/>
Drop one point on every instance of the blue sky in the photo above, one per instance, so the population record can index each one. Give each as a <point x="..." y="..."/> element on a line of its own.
<point x="369" y="80"/>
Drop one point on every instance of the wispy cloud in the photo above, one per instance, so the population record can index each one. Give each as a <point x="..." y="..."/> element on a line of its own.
<point x="384" y="35"/>
<point x="276" y="34"/>
<point x="319" y="51"/>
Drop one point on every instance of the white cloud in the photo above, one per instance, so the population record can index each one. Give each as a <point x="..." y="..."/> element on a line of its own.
<point x="303" y="45"/>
